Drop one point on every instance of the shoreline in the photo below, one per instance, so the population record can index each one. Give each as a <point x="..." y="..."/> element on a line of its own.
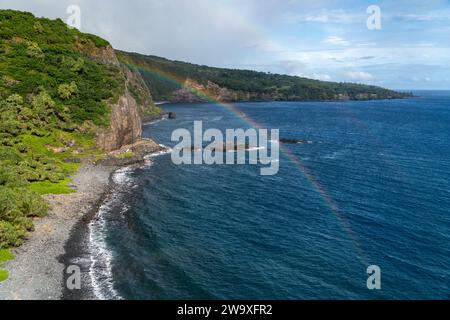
<point x="38" y="270"/>
<point x="61" y="239"/>
<point x="76" y="248"/>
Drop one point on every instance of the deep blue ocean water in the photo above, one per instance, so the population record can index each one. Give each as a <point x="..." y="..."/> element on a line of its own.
<point x="226" y="232"/>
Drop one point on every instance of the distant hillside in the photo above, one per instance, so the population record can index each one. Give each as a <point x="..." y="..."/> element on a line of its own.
<point x="185" y="82"/>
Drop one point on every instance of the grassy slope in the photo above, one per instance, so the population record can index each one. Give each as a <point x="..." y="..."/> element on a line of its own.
<point x="247" y="84"/>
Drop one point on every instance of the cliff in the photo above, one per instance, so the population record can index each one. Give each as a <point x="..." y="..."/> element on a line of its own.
<point x="193" y="91"/>
<point x="125" y="126"/>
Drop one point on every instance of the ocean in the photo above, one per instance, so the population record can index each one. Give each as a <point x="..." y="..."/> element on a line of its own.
<point x="371" y="188"/>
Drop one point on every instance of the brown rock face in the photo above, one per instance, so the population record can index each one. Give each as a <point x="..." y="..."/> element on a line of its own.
<point x="126" y="126"/>
<point x="125" y="119"/>
<point x="104" y="55"/>
<point x="189" y="92"/>
<point x="126" y="114"/>
<point x="192" y="91"/>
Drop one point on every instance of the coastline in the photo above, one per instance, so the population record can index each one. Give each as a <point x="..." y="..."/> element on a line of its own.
<point x="37" y="271"/>
<point x="61" y="238"/>
<point x="76" y="247"/>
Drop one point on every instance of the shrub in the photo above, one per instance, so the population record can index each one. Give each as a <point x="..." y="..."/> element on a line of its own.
<point x="66" y="91"/>
<point x="34" y="51"/>
<point x="17" y="207"/>
<point x="9" y="155"/>
<point x="43" y="105"/>
<point x="9" y="177"/>
<point x="14" y="101"/>
<point x="74" y="65"/>
<point x="11" y="235"/>
<point x="38" y="27"/>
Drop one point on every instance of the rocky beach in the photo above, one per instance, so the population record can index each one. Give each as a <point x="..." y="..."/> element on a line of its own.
<point x="38" y="271"/>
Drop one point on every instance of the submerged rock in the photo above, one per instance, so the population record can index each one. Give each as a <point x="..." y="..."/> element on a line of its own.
<point x="172" y="115"/>
<point x="294" y="141"/>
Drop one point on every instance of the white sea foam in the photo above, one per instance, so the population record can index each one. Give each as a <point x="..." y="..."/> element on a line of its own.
<point x="256" y="148"/>
<point x="156" y="121"/>
<point x="335" y="155"/>
<point x="101" y="257"/>
<point x="148" y="158"/>
<point x="246" y="149"/>
<point x="121" y="176"/>
<point x="100" y="270"/>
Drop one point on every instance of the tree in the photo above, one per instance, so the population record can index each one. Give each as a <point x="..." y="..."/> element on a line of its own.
<point x="43" y="106"/>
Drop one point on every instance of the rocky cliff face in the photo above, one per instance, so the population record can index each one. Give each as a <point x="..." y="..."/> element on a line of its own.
<point x="193" y="91"/>
<point x="125" y="120"/>
<point x="125" y="124"/>
<point x="104" y="55"/>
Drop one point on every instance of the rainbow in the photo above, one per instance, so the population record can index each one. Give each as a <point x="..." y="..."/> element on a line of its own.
<point x="284" y="151"/>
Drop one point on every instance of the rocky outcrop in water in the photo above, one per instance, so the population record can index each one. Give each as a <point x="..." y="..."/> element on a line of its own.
<point x="130" y="154"/>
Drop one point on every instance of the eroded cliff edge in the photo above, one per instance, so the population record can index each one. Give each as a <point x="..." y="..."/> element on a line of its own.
<point x="125" y="128"/>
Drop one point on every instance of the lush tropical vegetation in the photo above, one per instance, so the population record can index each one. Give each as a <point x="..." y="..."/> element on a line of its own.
<point x="53" y="94"/>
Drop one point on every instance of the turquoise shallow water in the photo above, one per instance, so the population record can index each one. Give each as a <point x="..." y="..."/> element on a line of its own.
<point x="226" y="232"/>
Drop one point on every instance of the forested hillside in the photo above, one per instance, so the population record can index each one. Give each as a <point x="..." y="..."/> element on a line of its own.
<point x="57" y="86"/>
<point x="181" y="81"/>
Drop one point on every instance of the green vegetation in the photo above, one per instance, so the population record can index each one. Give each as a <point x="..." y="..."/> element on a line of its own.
<point x="5" y="255"/>
<point x="128" y="154"/>
<point x="54" y="92"/>
<point x="164" y="77"/>
<point x="47" y="187"/>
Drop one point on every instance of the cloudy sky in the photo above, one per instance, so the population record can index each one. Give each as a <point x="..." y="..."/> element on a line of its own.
<point x="321" y="39"/>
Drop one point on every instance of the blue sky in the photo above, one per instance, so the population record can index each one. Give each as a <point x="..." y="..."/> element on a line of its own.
<point x="322" y="39"/>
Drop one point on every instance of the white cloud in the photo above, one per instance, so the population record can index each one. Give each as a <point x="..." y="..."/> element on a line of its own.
<point x="331" y="16"/>
<point x="337" y="41"/>
<point x="359" y="75"/>
<point x="433" y="15"/>
<point x="324" y="77"/>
